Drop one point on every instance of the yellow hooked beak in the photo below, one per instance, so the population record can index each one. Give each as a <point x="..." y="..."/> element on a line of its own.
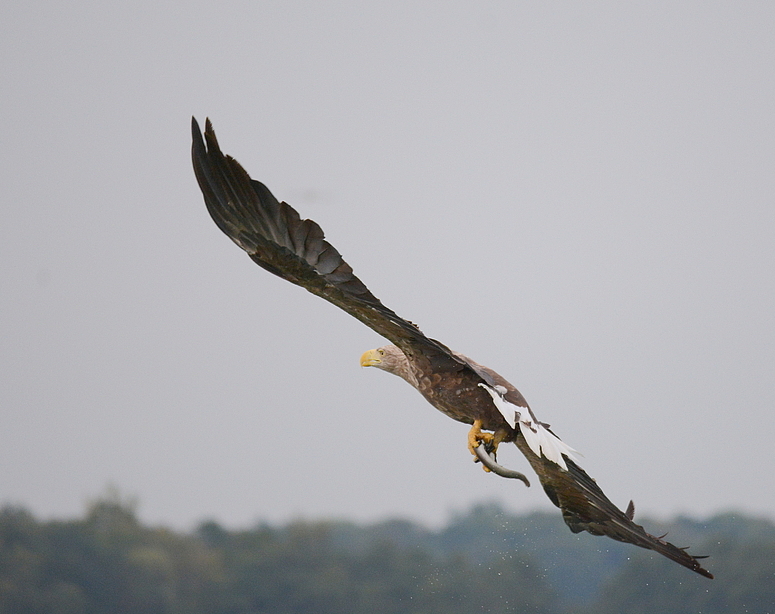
<point x="371" y="358"/>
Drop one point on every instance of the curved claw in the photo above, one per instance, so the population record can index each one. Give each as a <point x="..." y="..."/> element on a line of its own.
<point x="500" y="470"/>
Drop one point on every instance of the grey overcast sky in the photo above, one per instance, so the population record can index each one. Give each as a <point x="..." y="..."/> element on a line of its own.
<point x="579" y="195"/>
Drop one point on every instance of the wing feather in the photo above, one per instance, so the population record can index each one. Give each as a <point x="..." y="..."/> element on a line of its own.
<point x="585" y="507"/>
<point x="277" y="239"/>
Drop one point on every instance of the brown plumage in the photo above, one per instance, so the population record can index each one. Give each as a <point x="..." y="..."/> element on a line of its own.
<point x="277" y="239"/>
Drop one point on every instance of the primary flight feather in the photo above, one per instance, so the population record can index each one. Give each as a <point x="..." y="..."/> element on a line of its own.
<point x="277" y="239"/>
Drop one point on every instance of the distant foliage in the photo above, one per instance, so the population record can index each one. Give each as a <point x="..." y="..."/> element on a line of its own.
<point x="483" y="561"/>
<point x="743" y="561"/>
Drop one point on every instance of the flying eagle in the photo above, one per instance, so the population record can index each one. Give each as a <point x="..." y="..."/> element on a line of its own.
<point x="277" y="239"/>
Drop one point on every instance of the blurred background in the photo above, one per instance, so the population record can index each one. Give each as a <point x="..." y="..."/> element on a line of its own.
<point x="578" y="195"/>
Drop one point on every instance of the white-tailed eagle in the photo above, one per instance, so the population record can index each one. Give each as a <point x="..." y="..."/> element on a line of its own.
<point x="277" y="239"/>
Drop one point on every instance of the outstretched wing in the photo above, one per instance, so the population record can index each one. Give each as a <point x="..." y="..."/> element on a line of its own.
<point x="585" y="507"/>
<point x="277" y="239"/>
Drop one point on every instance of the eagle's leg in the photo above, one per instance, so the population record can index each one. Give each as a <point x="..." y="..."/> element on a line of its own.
<point x="497" y="439"/>
<point x="491" y="441"/>
<point x="477" y="436"/>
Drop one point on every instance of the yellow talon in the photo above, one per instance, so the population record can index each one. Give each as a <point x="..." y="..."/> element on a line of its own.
<point x="476" y="437"/>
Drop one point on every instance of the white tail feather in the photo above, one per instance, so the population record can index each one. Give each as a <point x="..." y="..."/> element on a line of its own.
<point x="538" y="438"/>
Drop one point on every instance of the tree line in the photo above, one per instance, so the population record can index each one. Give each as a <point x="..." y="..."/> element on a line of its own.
<point x="485" y="560"/>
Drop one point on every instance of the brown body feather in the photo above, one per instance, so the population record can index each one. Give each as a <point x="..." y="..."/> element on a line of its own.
<point x="277" y="239"/>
